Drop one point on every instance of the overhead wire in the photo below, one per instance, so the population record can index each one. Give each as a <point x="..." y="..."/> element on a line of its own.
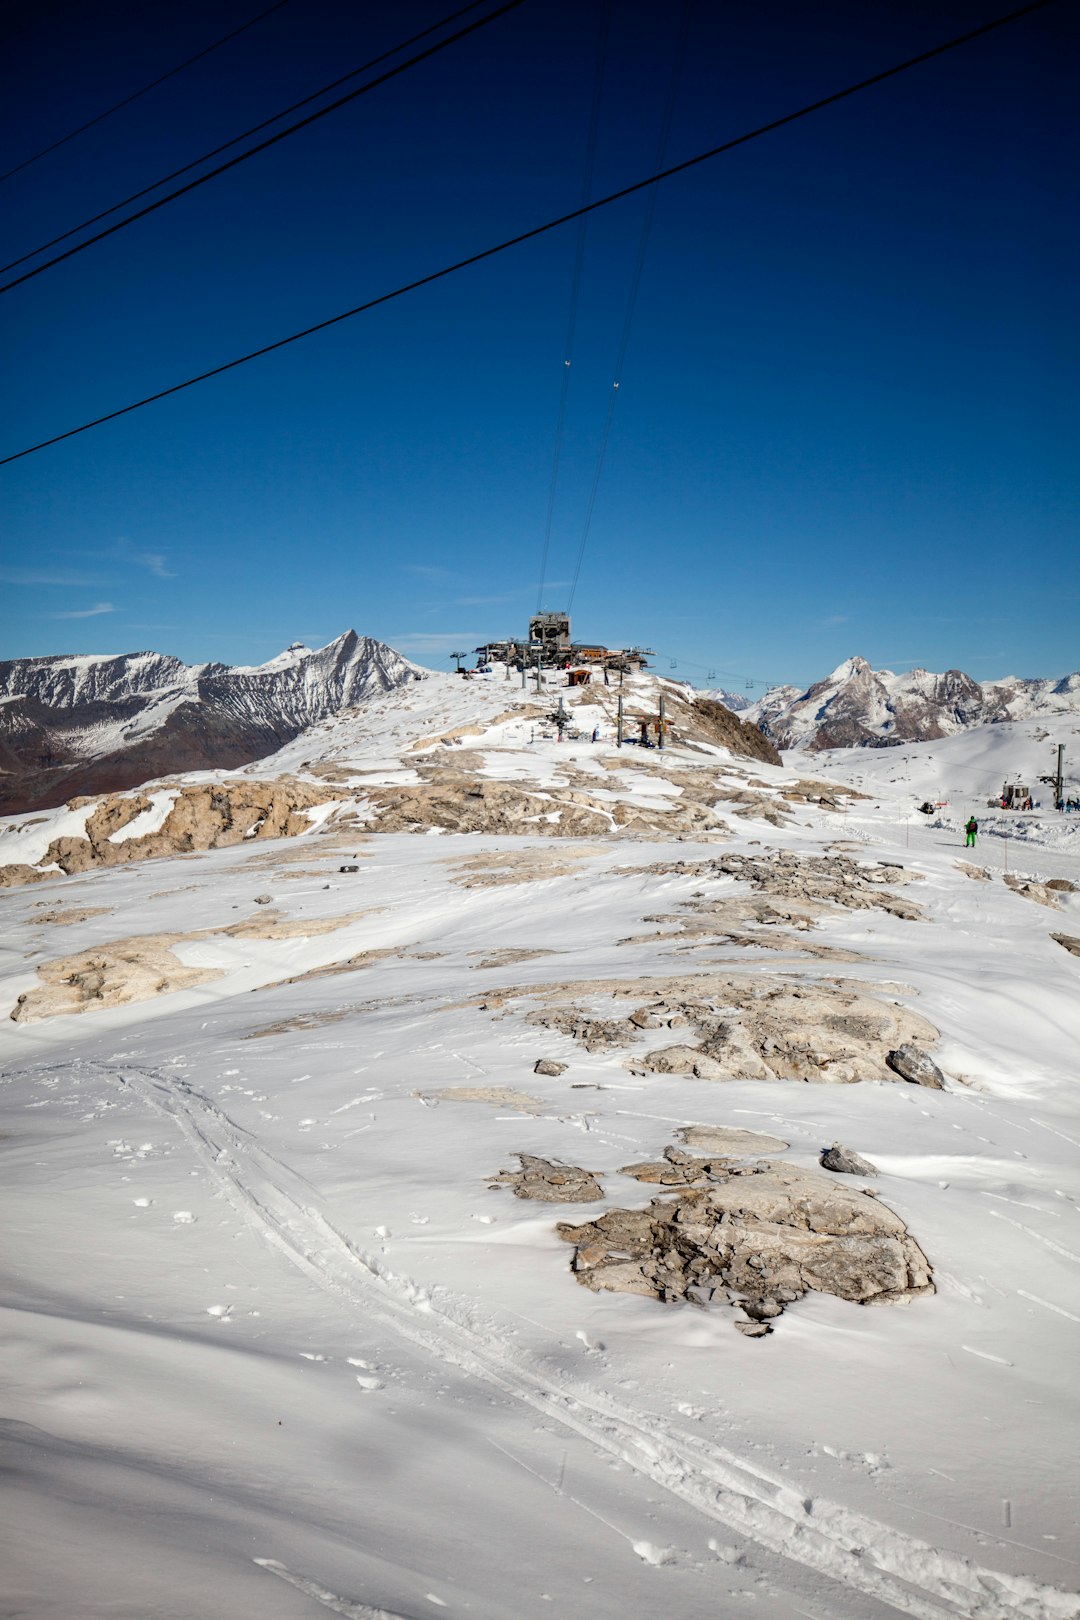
<point x="271" y="140"/>
<point x="635" y="284"/>
<point x="713" y="670"/>
<point x="134" y="96"/>
<point x="575" y="290"/>
<point x="537" y="230"/>
<point x="185" y="168"/>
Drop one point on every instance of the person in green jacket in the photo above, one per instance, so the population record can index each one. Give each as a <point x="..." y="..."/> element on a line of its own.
<point x="971" y="829"/>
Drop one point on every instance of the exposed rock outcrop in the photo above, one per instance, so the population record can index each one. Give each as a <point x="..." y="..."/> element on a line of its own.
<point x="481" y="805"/>
<point x="109" y="976"/>
<point x="1043" y="894"/>
<point x="209" y="815"/>
<point x="769" y="1030"/>
<point x="550" y="1183"/>
<point x="758" y="1235"/>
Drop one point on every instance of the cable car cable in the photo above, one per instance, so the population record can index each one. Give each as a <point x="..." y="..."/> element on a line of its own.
<point x="216" y="151"/>
<point x="126" y="102"/>
<point x="530" y="235"/>
<point x="271" y="140"/>
<point x="635" y="283"/>
<point x="571" y="325"/>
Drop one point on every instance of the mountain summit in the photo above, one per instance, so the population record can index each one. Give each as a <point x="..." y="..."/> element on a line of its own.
<point x="89" y="724"/>
<point x="860" y="707"/>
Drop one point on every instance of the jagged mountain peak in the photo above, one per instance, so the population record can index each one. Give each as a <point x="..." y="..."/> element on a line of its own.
<point x="76" y="724"/>
<point x="857" y="706"/>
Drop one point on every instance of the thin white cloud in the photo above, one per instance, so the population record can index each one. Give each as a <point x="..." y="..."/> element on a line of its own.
<point x="154" y="563"/>
<point x="831" y="622"/>
<point x="43" y="576"/>
<point x="84" y="613"/>
<point x="424" y="571"/>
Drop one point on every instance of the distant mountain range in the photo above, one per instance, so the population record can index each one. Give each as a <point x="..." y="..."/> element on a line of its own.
<point x="860" y="707"/>
<point x="74" y="725"/>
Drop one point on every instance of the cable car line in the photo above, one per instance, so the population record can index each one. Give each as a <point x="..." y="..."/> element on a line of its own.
<point x="185" y="168"/>
<point x="537" y="230"/>
<point x="271" y="140"/>
<point x="635" y="284"/>
<point x="579" y="256"/>
<point x="126" y="102"/>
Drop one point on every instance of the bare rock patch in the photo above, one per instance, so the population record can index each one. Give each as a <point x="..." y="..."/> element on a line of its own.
<point x="500" y="1096"/>
<point x="759" y="1236"/>
<point x="550" y="1183"/>
<point x="1031" y="889"/>
<point x="110" y="975"/>
<point x="729" y="1141"/>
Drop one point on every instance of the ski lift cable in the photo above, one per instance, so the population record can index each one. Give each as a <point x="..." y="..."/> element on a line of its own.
<point x="712" y="670"/>
<point x="135" y="94"/>
<point x="579" y="256"/>
<point x="261" y="146"/>
<point x="635" y="284"/>
<point x="527" y="236"/>
<point x="256" y="129"/>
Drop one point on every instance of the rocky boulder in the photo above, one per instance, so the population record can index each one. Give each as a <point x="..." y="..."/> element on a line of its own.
<point x="759" y="1236"/>
<point x="550" y="1183"/>
<point x="915" y="1066"/>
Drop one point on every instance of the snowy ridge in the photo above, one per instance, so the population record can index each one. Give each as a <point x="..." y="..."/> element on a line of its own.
<point x="857" y="706"/>
<point x="72" y="725"/>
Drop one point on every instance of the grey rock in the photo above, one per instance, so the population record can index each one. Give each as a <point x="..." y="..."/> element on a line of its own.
<point x="915" y="1066"/>
<point x="845" y="1161"/>
<point x="766" y="1233"/>
<point x="548" y="1066"/>
<point x="550" y="1183"/>
<point x="264" y="899"/>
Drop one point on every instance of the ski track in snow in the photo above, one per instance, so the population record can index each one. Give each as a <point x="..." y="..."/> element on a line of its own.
<point x="329" y="1600"/>
<point x="903" y="1573"/>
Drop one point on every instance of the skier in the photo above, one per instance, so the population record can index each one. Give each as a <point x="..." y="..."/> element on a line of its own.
<point x="971" y="829"/>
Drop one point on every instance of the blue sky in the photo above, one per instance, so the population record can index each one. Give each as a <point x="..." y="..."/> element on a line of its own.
<point x="847" y="419"/>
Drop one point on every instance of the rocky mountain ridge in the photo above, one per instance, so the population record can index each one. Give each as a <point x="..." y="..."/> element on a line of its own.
<point x="83" y="724"/>
<point x="860" y="707"/>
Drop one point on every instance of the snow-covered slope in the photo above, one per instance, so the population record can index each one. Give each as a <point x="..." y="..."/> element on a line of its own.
<point x="75" y="725"/>
<point x="275" y="1344"/>
<point x="857" y="706"/>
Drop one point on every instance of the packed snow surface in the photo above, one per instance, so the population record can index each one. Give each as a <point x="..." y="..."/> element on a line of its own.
<point x="273" y="1344"/>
